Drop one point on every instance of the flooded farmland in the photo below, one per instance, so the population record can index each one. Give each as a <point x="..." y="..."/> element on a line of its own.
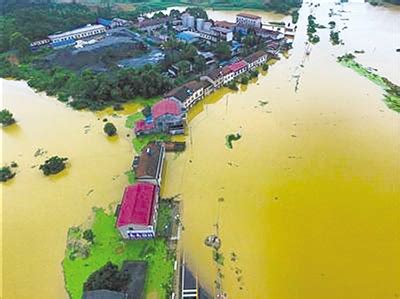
<point x="307" y="201"/>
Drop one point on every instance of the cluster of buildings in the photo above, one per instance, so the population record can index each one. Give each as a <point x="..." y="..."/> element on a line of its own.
<point x="137" y="215"/>
<point x="70" y="38"/>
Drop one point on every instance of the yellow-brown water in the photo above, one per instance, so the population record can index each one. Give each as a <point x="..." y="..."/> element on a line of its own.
<point x="37" y="210"/>
<point x="311" y="191"/>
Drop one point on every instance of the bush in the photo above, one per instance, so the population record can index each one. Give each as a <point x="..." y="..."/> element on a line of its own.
<point x="53" y="165"/>
<point x="244" y="80"/>
<point x="265" y="67"/>
<point x="232" y="85"/>
<point x="110" y="129"/>
<point x="88" y="235"/>
<point x="254" y="74"/>
<point x="107" y="278"/>
<point x="6" y="174"/>
<point x="6" y="118"/>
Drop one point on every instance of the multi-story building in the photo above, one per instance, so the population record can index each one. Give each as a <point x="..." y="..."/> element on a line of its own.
<point x="248" y="20"/>
<point x="238" y="68"/>
<point x="189" y="93"/>
<point x="215" y="77"/>
<point x="137" y="216"/>
<point x="256" y="59"/>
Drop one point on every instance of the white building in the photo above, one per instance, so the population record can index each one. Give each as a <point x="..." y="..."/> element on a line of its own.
<point x="248" y="20"/>
<point x="80" y="33"/>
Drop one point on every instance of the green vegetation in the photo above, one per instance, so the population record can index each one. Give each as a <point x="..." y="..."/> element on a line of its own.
<point x="392" y="96"/>
<point x="6" y="174"/>
<point x="332" y="24"/>
<point x="131" y="177"/>
<point x="265" y="67"/>
<point x="132" y="119"/>
<point x="108" y="277"/>
<point x="223" y="51"/>
<point x="140" y="142"/>
<point x="53" y="165"/>
<point x="295" y="16"/>
<point x="244" y="80"/>
<point x="312" y="29"/>
<point x="230" y="138"/>
<point x="109" y="247"/>
<point x="88" y="235"/>
<point x="334" y="37"/>
<point x="110" y="129"/>
<point x="164" y="220"/>
<point x="233" y="85"/>
<point x="6" y="118"/>
<point x="218" y="257"/>
<point x="254" y="74"/>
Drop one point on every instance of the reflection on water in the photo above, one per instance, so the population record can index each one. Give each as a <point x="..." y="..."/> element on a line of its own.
<point x="311" y="190"/>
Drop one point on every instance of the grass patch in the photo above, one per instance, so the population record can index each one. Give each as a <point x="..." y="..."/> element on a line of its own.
<point x="164" y="220"/>
<point x="132" y="119"/>
<point x="230" y="138"/>
<point x="131" y="176"/>
<point x="140" y="142"/>
<point x="392" y="95"/>
<point x="108" y="246"/>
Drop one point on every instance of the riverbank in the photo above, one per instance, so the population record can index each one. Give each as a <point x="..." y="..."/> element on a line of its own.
<point x="392" y="91"/>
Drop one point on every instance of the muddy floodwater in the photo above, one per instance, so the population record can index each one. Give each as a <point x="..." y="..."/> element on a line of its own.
<point x="307" y="199"/>
<point x="37" y="210"/>
<point x="311" y="193"/>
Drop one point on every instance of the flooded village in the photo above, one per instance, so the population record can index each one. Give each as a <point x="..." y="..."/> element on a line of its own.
<point x="255" y="177"/>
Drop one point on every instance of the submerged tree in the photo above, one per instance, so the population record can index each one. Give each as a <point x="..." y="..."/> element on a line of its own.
<point x="110" y="129"/>
<point x="6" y="118"/>
<point x="53" y="165"/>
<point x="88" y="235"/>
<point x="6" y="174"/>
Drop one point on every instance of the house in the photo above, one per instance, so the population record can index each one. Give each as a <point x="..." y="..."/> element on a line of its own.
<point x="114" y="23"/>
<point x="256" y="59"/>
<point x="189" y="93"/>
<point x="225" y="24"/>
<point x="269" y="35"/>
<point x="238" y="68"/>
<point x="151" y="24"/>
<point x="70" y="37"/>
<point x="215" y="77"/>
<point x="148" y="166"/>
<point x="223" y="34"/>
<point x="138" y="212"/>
<point x="248" y="20"/>
<point x="228" y="74"/>
<point x="39" y="44"/>
<point x="168" y="116"/>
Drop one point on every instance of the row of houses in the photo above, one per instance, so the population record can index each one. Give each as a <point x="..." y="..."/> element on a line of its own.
<point x="192" y="92"/>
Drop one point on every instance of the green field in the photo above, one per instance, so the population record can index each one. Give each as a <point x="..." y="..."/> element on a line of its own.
<point x="108" y="246"/>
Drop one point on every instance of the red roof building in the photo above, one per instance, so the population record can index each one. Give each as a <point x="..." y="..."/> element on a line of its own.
<point x="238" y="66"/>
<point x="141" y="127"/>
<point x="166" y="106"/>
<point x="138" y="211"/>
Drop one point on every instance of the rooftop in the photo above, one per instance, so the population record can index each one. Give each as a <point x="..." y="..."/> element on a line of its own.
<point x="255" y="56"/>
<point x="86" y="28"/>
<point x="166" y="106"/>
<point x="224" y="24"/>
<point x="137" y="204"/>
<point x="238" y="65"/>
<point x="149" y="160"/>
<point x="142" y="125"/>
<point x="248" y="15"/>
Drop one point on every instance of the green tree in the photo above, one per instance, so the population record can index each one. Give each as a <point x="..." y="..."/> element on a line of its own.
<point x="107" y="277"/>
<point x="6" y="118"/>
<point x="223" y="51"/>
<point x="6" y="174"/>
<point x="110" y="129"/>
<point x="197" y="12"/>
<point x="53" y="165"/>
<point x="20" y="43"/>
<point x="88" y="235"/>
